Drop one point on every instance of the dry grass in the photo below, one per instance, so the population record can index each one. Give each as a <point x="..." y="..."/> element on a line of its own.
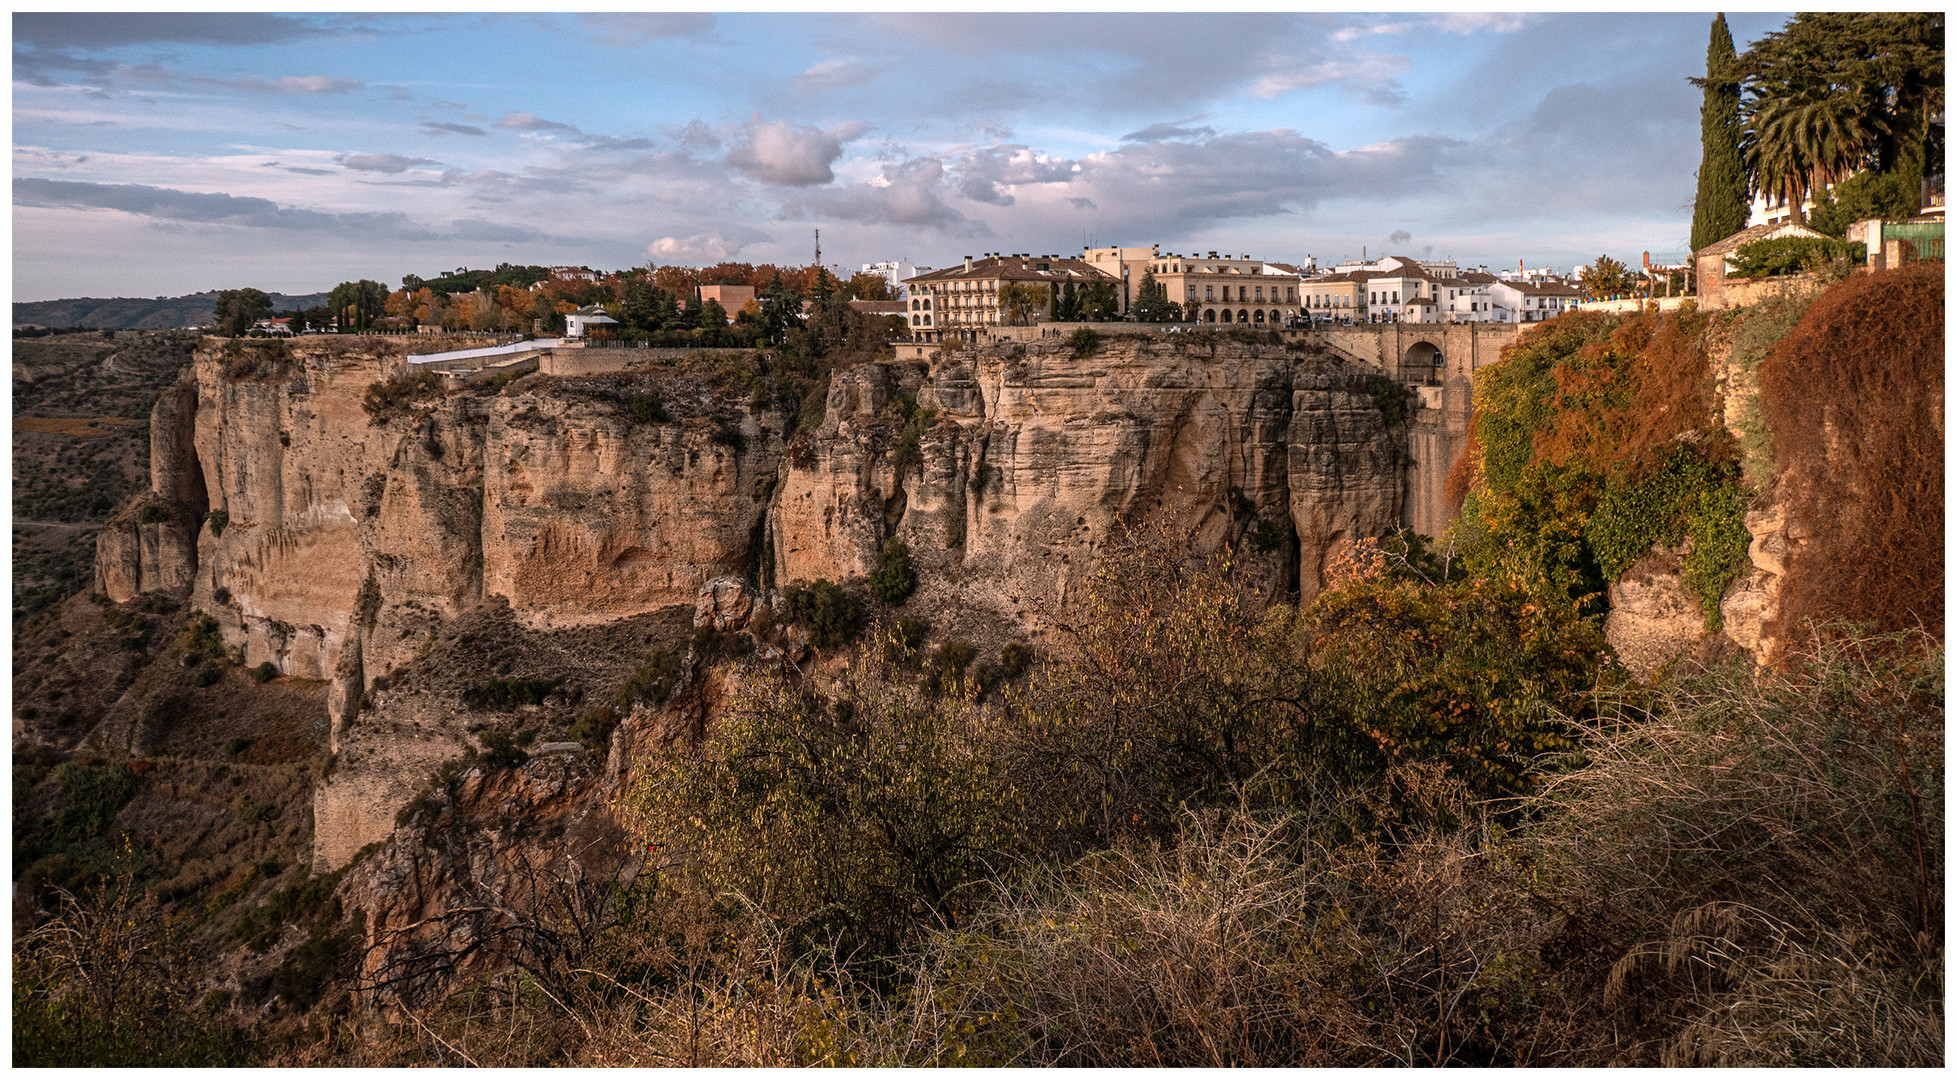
<point x="1763" y="851"/>
<point x="78" y="426"/>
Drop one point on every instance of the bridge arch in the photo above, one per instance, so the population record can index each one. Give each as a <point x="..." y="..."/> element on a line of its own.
<point x="1422" y="361"/>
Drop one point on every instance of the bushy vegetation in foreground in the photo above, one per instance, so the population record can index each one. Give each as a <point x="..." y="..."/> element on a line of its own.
<point x="1425" y="820"/>
<point x="1202" y="834"/>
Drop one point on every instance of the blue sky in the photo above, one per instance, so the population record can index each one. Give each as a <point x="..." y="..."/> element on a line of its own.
<point x="160" y="154"/>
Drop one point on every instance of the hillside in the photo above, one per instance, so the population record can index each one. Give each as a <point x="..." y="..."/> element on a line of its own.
<point x="1036" y="704"/>
<point x="135" y="313"/>
<point x="80" y="448"/>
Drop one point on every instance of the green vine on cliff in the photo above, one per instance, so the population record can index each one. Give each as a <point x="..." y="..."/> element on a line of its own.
<point x="1390" y="397"/>
<point x="1688" y="496"/>
<point x="1597" y="438"/>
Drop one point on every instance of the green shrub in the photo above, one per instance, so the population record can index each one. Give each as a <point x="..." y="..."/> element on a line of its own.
<point x="1085" y="342"/>
<point x="206" y="677"/>
<point x="203" y="637"/>
<point x="945" y="672"/>
<point x="905" y="640"/>
<point x="1268" y="536"/>
<point x="647" y="408"/>
<point x="851" y="819"/>
<point x="503" y="749"/>
<point x="727" y="432"/>
<point x="1717" y="525"/>
<point x="92" y="795"/>
<point x="1687" y="496"/>
<point x="910" y="439"/>
<point x="234" y="747"/>
<point x="1791" y="255"/>
<point x="217" y="520"/>
<point x="1389" y="397"/>
<point x="157" y="513"/>
<point x="893" y="580"/>
<point x="831" y="615"/>
<point x="658" y="675"/>
<point x="594" y="729"/>
<point x="1014" y="659"/>
<point x="265" y="672"/>
<point x="503" y="694"/>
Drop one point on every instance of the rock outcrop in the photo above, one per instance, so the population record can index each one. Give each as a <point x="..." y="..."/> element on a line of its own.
<point x="340" y="541"/>
<point x="1004" y="471"/>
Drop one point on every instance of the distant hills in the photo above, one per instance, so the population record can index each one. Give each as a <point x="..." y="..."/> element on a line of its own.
<point x="125" y="313"/>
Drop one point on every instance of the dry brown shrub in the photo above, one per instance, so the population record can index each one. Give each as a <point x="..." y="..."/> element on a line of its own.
<point x="1854" y="397"/>
<point x="1627" y="402"/>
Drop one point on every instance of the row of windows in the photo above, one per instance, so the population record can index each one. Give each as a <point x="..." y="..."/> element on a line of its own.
<point x="1211" y="315"/>
<point x="1243" y="293"/>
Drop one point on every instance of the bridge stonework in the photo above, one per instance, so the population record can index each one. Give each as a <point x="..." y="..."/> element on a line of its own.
<point x="1437" y="362"/>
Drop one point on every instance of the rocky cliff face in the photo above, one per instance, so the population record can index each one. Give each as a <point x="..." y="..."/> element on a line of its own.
<point x="1019" y="462"/>
<point x="352" y="547"/>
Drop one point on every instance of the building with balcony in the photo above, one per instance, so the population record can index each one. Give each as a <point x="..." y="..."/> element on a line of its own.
<point x="1236" y="289"/>
<point x="960" y="302"/>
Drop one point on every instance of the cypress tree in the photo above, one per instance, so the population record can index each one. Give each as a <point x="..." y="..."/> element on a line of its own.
<point x="1720" y="208"/>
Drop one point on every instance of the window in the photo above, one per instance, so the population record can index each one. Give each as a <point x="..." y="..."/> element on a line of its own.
<point x="1291" y="292"/>
<point x="1260" y="295"/>
<point x="1209" y="292"/>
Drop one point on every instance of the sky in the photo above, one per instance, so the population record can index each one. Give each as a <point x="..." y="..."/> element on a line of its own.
<point x="160" y="154"/>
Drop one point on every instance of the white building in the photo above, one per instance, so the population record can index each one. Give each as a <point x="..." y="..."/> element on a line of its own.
<point x="578" y="323"/>
<point x="1529" y="302"/>
<point x="893" y="272"/>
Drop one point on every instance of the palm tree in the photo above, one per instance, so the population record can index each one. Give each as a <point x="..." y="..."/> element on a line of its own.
<point x="1836" y="93"/>
<point x="1805" y="142"/>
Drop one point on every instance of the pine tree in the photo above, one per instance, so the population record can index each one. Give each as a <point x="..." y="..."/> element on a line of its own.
<point x="1720" y="208"/>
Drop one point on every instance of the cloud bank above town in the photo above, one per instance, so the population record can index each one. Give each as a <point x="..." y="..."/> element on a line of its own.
<point x="158" y="154"/>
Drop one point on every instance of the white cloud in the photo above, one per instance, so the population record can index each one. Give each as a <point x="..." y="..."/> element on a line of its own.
<point x="698" y="248"/>
<point x="1472" y="22"/>
<point x="912" y="193"/>
<point x="838" y="74"/>
<point x="790" y="155"/>
<point x="1369" y="72"/>
<point x="298" y="84"/>
<point x="641" y="28"/>
<point x="523" y="121"/>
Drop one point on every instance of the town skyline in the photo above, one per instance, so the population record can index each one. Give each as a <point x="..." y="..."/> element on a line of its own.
<point x="168" y="154"/>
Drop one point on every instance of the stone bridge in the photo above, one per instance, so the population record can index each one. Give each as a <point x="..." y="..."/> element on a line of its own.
<point x="1437" y="362"/>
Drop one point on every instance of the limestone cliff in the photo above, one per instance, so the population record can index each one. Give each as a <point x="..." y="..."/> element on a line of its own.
<point x="345" y="543"/>
<point x="1020" y="461"/>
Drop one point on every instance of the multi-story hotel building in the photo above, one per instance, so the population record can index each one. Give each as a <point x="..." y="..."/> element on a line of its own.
<point x="958" y="302"/>
<point x="1217" y="288"/>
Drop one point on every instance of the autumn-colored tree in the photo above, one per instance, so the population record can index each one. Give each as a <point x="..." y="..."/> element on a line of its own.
<point x="866" y="286"/>
<point x="679" y="280"/>
<point x="1020" y="299"/>
<point x="1607" y="279"/>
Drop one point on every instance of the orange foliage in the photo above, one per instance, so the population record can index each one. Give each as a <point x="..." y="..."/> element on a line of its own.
<point x="1627" y="402"/>
<point x="1854" y="398"/>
